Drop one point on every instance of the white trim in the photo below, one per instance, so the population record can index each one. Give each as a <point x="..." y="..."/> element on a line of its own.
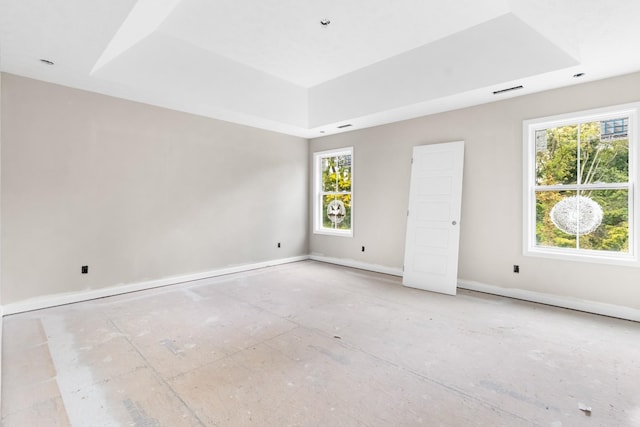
<point x="626" y="313"/>
<point x="69" y="298"/>
<point x="529" y="247"/>
<point x="594" y="307"/>
<point x="339" y="233"/>
<point x="357" y="264"/>
<point x="587" y="306"/>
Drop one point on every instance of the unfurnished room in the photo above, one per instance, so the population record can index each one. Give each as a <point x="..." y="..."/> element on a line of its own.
<point x="319" y="213"/>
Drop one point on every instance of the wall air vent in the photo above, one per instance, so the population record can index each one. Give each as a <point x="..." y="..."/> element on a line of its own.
<point x="344" y="126"/>
<point x="497" y="92"/>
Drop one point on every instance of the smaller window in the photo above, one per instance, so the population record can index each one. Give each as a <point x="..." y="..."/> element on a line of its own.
<point x="333" y="200"/>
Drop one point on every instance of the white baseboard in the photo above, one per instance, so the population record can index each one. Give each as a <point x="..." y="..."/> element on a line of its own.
<point x="610" y="310"/>
<point x="69" y="298"/>
<point x="594" y="307"/>
<point x="357" y="264"/>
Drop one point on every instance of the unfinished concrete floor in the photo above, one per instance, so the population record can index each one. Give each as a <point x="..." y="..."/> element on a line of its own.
<point x="316" y="345"/>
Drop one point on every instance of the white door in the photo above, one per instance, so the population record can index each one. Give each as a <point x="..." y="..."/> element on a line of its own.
<point x="433" y="223"/>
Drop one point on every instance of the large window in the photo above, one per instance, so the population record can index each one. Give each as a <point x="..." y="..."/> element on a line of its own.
<point x="333" y="201"/>
<point x="580" y="186"/>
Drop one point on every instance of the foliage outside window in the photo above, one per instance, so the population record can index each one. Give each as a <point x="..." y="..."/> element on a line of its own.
<point x="333" y="172"/>
<point x="579" y="195"/>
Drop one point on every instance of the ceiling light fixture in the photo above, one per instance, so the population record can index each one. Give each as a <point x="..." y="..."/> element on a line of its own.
<point x="578" y="75"/>
<point x="46" y="61"/>
<point x="497" y="92"/>
<point x="344" y="126"/>
<point x="325" y="22"/>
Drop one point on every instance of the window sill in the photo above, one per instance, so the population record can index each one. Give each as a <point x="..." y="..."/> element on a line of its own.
<point x="339" y="233"/>
<point x="598" y="257"/>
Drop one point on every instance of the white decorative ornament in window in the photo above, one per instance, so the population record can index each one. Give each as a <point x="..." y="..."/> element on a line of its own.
<point x="576" y="215"/>
<point x="336" y="211"/>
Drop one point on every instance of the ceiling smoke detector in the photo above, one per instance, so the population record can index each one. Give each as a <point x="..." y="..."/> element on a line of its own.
<point x="325" y="22"/>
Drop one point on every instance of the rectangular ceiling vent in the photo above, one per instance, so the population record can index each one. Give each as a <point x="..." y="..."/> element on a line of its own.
<point x="497" y="92"/>
<point x="344" y="126"/>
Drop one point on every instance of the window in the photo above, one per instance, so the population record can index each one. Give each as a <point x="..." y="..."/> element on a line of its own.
<point x="333" y="172"/>
<point x="580" y="186"/>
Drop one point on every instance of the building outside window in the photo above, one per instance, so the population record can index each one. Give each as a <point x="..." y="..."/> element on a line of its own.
<point x="580" y="186"/>
<point x="614" y="129"/>
<point x="333" y="200"/>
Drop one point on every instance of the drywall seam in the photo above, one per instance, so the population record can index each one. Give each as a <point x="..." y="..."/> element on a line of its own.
<point x="70" y="298"/>
<point x="357" y="264"/>
<point x="594" y="307"/>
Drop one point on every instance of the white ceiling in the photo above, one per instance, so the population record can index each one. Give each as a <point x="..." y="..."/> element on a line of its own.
<point x="271" y="64"/>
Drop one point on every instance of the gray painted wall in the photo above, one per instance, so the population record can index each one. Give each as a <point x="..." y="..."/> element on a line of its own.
<point x="491" y="223"/>
<point x="137" y="192"/>
<point x="141" y="193"/>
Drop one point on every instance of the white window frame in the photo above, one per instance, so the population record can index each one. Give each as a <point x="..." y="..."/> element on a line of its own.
<point x="529" y="202"/>
<point x="317" y="192"/>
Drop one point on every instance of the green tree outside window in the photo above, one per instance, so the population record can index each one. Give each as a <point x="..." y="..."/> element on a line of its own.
<point x="590" y="160"/>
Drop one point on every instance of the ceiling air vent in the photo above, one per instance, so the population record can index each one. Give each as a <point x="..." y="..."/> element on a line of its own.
<point x="497" y="92"/>
<point x="344" y="126"/>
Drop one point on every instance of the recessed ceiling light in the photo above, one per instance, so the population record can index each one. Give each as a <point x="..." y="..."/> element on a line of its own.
<point x="321" y="131"/>
<point x="325" y="22"/>
<point x="46" y="61"/>
<point x="578" y="75"/>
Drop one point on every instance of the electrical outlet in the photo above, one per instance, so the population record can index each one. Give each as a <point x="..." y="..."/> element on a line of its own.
<point x="516" y="268"/>
<point x="85" y="269"/>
